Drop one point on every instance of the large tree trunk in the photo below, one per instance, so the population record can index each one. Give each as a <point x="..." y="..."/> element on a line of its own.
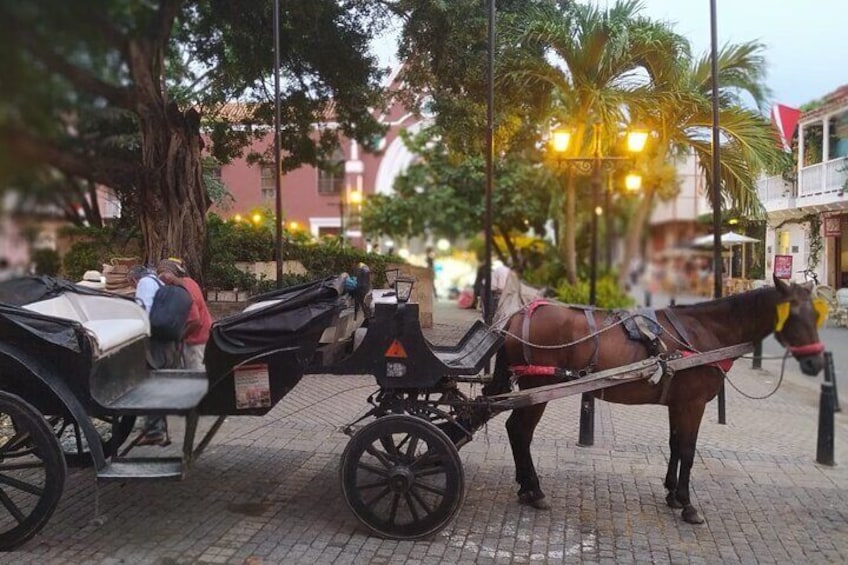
<point x="172" y="197"/>
<point x="173" y="200"/>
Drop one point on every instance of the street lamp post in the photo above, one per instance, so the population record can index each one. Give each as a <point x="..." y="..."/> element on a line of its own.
<point x="636" y="140"/>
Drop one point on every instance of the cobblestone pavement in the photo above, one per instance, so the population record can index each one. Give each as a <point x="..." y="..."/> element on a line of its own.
<point x="267" y="489"/>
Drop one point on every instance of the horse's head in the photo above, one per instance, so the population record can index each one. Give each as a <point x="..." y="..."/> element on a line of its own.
<point x="798" y="320"/>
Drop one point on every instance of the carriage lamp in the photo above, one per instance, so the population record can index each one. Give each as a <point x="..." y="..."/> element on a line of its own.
<point x="633" y="182"/>
<point x="391" y="276"/>
<point x="403" y="288"/>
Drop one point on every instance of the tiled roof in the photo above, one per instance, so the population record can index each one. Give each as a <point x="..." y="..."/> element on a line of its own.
<point x="832" y="101"/>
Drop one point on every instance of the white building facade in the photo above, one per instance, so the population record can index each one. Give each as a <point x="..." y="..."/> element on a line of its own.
<point x="817" y="191"/>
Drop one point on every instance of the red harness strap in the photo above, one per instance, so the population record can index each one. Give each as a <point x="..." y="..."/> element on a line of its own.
<point x="532" y="370"/>
<point x="806" y="350"/>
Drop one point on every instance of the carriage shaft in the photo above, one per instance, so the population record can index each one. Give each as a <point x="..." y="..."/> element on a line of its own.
<point x="611" y="377"/>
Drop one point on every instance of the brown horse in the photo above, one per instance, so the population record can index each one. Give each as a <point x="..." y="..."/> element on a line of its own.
<point x="786" y="309"/>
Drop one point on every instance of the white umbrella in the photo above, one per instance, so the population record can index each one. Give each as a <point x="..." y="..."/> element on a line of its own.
<point x="728" y="239"/>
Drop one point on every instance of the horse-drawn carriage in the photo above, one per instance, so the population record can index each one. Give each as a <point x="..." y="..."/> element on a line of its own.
<point x="74" y="376"/>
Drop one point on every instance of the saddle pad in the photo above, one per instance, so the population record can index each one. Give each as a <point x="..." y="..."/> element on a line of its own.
<point x="649" y="319"/>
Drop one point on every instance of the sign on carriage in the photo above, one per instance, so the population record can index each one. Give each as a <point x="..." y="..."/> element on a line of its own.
<point x="783" y="266"/>
<point x="252" y="388"/>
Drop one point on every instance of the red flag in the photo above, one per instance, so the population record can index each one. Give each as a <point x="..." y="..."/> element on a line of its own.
<point x="785" y="119"/>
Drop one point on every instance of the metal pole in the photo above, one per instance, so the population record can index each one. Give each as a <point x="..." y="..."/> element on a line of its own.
<point x="278" y="184"/>
<point x="608" y="221"/>
<point x="715" y="169"/>
<point x="342" y="219"/>
<point x="490" y="158"/>
<point x="586" y="434"/>
<point x="824" y="440"/>
<point x="758" y="355"/>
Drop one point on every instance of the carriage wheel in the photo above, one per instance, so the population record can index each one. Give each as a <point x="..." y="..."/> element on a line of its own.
<point x="32" y="471"/>
<point x="75" y="445"/>
<point x="402" y="477"/>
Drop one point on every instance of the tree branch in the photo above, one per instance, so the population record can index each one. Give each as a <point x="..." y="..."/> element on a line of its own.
<point x="27" y="147"/>
<point x="164" y="21"/>
<point x="79" y="77"/>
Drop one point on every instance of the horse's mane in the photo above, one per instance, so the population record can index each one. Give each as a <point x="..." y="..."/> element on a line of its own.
<point x="734" y="300"/>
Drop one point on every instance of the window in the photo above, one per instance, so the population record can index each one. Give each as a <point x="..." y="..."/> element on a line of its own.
<point x="813" y="134"/>
<point x="838" y="129"/>
<point x="331" y="176"/>
<point x="269" y="182"/>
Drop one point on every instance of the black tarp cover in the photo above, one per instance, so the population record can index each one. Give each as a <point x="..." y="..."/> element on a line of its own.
<point x="301" y="310"/>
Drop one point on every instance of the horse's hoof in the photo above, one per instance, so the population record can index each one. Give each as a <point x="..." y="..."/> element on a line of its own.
<point x="691" y="516"/>
<point x="671" y="500"/>
<point x="536" y="500"/>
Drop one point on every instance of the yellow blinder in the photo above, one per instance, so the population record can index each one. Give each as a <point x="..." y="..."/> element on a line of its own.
<point x="782" y="315"/>
<point x="820" y="306"/>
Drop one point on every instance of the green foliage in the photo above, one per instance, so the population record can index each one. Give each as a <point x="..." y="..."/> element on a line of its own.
<point x="231" y="242"/>
<point x="96" y="246"/>
<point x="47" y="262"/>
<point x="609" y="294"/>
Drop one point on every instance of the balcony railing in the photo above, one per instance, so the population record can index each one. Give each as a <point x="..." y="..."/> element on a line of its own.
<point x="773" y="188"/>
<point x="823" y="178"/>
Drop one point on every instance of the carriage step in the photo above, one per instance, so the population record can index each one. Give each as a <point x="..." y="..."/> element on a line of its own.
<point x="142" y="468"/>
<point x="164" y="392"/>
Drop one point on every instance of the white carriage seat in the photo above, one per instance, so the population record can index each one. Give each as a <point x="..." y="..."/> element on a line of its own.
<point x="113" y="322"/>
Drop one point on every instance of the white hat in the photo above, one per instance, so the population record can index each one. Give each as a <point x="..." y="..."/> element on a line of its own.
<point x="92" y="279"/>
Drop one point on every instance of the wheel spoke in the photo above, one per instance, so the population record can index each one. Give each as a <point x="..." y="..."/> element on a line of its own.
<point x="438" y="469"/>
<point x="413" y="445"/>
<point x="21" y="466"/>
<point x="426" y="460"/>
<point x="412" y="509"/>
<point x="422" y="502"/>
<point x="381" y="457"/>
<point x="375" y="484"/>
<point x="15" y="441"/>
<point x="390" y="447"/>
<point x="11" y="507"/>
<point x="393" y="513"/>
<point x="373" y="468"/>
<point x="377" y="498"/>
<point x="20" y="485"/>
<point x="430" y="488"/>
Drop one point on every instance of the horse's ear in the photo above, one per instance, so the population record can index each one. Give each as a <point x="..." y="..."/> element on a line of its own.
<point x="781" y="285"/>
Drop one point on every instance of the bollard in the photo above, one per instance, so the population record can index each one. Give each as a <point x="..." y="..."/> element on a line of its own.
<point x="673" y="301"/>
<point x="824" y="444"/>
<point x="647" y="299"/>
<point x="836" y="407"/>
<point x="586" y="435"/>
<point x="758" y="356"/>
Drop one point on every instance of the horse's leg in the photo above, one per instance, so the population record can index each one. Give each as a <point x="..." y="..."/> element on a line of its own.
<point x="687" y="417"/>
<point x="520" y="426"/>
<point x="673" y="464"/>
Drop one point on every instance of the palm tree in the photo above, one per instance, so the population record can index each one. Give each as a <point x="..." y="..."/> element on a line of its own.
<point x="677" y="106"/>
<point x="594" y="64"/>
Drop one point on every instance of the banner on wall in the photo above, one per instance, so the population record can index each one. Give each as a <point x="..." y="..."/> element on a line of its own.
<point x="832" y="226"/>
<point x="783" y="266"/>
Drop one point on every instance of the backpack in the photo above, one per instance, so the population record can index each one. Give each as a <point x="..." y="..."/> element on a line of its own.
<point x="169" y="312"/>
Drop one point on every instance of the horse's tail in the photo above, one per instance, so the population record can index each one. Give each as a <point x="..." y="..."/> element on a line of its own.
<point x="500" y="378"/>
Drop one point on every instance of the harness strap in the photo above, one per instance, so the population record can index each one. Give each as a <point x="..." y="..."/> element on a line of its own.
<point x="678" y="327"/>
<point x="525" y="329"/>
<point x="593" y="331"/>
<point x="808" y="349"/>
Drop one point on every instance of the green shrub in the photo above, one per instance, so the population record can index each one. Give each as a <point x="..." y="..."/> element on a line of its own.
<point x="609" y="294"/>
<point x="47" y="262"/>
<point x="96" y="247"/>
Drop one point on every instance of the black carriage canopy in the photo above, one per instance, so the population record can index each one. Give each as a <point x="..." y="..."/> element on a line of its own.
<point x="18" y="292"/>
<point x="280" y="317"/>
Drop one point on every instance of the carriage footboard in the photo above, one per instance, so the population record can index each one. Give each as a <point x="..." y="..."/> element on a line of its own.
<point x="472" y="352"/>
<point x="171" y="391"/>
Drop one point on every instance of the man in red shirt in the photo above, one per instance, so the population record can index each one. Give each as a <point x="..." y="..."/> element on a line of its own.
<point x="199" y="321"/>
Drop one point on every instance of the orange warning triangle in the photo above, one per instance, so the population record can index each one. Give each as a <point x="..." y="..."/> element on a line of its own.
<point x="396" y="350"/>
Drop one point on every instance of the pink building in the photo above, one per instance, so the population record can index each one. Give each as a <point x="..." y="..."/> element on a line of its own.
<point x="319" y="201"/>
